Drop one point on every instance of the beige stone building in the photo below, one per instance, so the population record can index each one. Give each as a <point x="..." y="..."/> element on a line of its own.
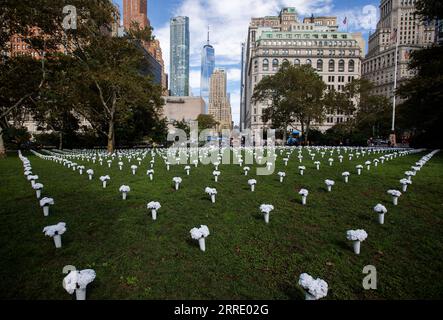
<point x="219" y="106"/>
<point x="182" y="109"/>
<point x="412" y="33"/>
<point x="337" y="56"/>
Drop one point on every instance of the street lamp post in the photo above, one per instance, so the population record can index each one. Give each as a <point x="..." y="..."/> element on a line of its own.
<point x="392" y="137"/>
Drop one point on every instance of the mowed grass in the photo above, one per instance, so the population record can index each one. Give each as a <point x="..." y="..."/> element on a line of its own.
<point x="137" y="258"/>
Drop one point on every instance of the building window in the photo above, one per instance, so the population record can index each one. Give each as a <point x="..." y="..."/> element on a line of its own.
<point x="309" y="62"/>
<point x="341" y="65"/>
<point x="255" y="66"/>
<point x="331" y="66"/>
<point x="297" y="62"/>
<point x="319" y="65"/>
<point x="265" y="65"/>
<point x="351" y="66"/>
<point x="275" y="64"/>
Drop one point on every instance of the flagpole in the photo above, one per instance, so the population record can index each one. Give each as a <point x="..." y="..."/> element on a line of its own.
<point x="393" y="140"/>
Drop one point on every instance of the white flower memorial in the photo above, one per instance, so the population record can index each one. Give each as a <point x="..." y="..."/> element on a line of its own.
<point x="124" y="190"/>
<point x="301" y="169"/>
<point x="177" y="181"/>
<point x="216" y="174"/>
<point x="266" y="209"/>
<point x="317" y="164"/>
<point x="55" y="232"/>
<point x="346" y="175"/>
<point x="359" y="168"/>
<point x="90" y="173"/>
<point x="187" y="169"/>
<point x="357" y="236"/>
<point x="381" y="210"/>
<point x="78" y="281"/>
<point x="315" y="289"/>
<point x="104" y="180"/>
<point x="150" y="173"/>
<point x="252" y="183"/>
<point x="212" y="192"/>
<point x="134" y="169"/>
<point x="281" y="175"/>
<point x="329" y="184"/>
<point x="154" y="206"/>
<point x="395" y="195"/>
<point x="246" y="170"/>
<point x="405" y="183"/>
<point x="38" y="189"/>
<point x="200" y="234"/>
<point x="45" y="203"/>
<point x="304" y="194"/>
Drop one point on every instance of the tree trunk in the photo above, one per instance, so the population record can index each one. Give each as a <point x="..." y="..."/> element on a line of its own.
<point x="307" y="134"/>
<point x="111" y="137"/>
<point x="60" y="143"/>
<point x="302" y="131"/>
<point x="2" y="145"/>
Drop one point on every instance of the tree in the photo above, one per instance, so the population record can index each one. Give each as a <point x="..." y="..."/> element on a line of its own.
<point x="40" y="24"/>
<point x="206" y="121"/>
<point x="429" y="9"/>
<point x="294" y="94"/>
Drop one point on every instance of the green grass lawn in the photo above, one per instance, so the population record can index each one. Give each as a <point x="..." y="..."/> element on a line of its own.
<point x="137" y="258"/>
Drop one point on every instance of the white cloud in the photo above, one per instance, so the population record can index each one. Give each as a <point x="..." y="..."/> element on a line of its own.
<point x="229" y="21"/>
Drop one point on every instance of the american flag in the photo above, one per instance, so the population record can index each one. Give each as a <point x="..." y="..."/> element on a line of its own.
<point x="345" y="21"/>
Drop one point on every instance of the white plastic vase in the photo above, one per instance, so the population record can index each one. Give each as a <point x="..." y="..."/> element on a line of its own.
<point x="187" y="172"/>
<point x="369" y="168"/>
<point x="329" y="188"/>
<point x="213" y="198"/>
<point x="202" y="244"/>
<point x="58" y="241"/>
<point x="318" y="167"/>
<point x="405" y="187"/>
<point x="356" y="247"/>
<point x="109" y="165"/>
<point x="32" y="183"/>
<point x="81" y="171"/>
<point x="266" y="217"/>
<point x="177" y="185"/>
<point x="167" y="167"/>
<point x="303" y="200"/>
<point x="330" y="163"/>
<point x="80" y="293"/>
<point x="246" y="172"/>
<point x="410" y="178"/>
<point x="395" y="200"/>
<point x="359" y="171"/>
<point x="104" y="184"/>
<point x="154" y="214"/>
<point x="46" y="211"/>
<point x="269" y="167"/>
<point x="381" y="218"/>
<point x="90" y="177"/>
<point x="151" y="177"/>
<point x="38" y="193"/>
<point x="252" y="187"/>
<point x="121" y="168"/>
<point x="346" y="179"/>
<point x="281" y="178"/>
<point x="124" y="195"/>
<point x="376" y="164"/>
<point x="216" y="178"/>
<point x="286" y="163"/>
<point x="133" y="172"/>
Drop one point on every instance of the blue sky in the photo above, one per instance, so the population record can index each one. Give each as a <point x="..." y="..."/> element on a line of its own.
<point x="229" y="21"/>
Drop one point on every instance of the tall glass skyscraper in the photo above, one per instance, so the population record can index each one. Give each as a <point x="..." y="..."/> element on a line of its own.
<point x="179" y="73"/>
<point x="207" y="68"/>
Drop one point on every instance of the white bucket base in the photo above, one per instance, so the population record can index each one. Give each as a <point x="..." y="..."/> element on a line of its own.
<point x="176" y="186"/>
<point x="253" y="188"/>
<point x="267" y="217"/>
<point x="58" y="241"/>
<point x="46" y="211"/>
<point x="80" y="294"/>
<point x="346" y="179"/>
<point x="303" y="201"/>
<point x="104" y="184"/>
<point x="124" y="195"/>
<point x="90" y="177"/>
<point x="38" y="193"/>
<point x="202" y="244"/>
<point x="381" y="218"/>
<point x="213" y="198"/>
<point x="357" y="247"/>
<point x="154" y="214"/>
<point x="329" y="188"/>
